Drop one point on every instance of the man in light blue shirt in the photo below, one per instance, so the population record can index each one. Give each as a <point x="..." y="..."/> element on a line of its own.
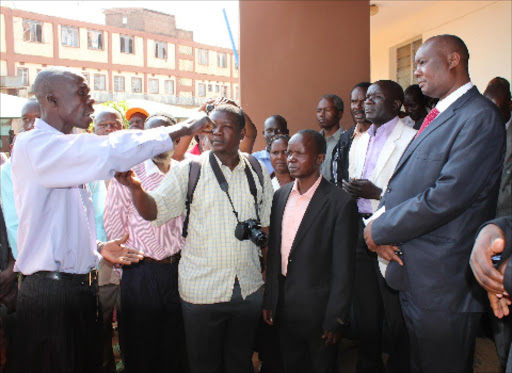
<point x="274" y="125"/>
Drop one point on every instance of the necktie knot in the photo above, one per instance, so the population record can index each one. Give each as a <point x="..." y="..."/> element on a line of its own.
<point x="428" y="119"/>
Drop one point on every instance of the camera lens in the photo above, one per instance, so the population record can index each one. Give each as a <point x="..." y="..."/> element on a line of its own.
<point x="259" y="238"/>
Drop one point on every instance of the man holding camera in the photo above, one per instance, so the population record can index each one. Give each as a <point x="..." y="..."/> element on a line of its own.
<point x="310" y="260"/>
<point x="220" y="281"/>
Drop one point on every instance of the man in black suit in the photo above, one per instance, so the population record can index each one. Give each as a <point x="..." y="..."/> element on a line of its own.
<point x="443" y="188"/>
<point x="310" y="262"/>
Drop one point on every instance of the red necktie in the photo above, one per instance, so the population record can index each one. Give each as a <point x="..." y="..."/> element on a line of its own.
<point x="428" y="119"/>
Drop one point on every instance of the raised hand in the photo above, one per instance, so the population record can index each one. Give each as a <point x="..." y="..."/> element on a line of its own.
<point x="115" y="252"/>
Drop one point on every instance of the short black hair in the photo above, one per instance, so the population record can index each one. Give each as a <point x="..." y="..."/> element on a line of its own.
<point x="279" y="119"/>
<point x="337" y="101"/>
<point x="415" y="90"/>
<point x="280" y="136"/>
<point x="318" y="139"/>
<point x="364" y="85"/>
<point x="498" y="87"/>
<point x="235" y="110"/>
<point x="396" y="90"/>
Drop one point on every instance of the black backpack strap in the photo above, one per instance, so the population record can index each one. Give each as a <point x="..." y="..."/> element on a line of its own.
<point x="193" y="178"/>
<point x="256" y="167"/>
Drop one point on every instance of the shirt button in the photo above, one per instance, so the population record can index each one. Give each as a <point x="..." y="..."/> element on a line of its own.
<point x="389" y="190"/>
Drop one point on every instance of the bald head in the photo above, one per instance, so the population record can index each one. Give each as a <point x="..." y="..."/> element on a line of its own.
<point x="29" y="113"/>
<point x="107" y="120"/>
<point x="498" y="91"/>
<point x="451" y="44"/>
<point x="48" y="79"/>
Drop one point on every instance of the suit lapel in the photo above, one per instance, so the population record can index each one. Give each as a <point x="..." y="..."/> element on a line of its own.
<point x="387" y="150"/>
<point x="315" y="206"/>
<point x="438" y="122"/>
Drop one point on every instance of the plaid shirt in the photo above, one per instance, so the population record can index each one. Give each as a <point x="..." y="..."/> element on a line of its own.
<point x="212" y="256"/>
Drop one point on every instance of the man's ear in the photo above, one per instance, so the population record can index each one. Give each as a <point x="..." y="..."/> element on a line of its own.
<point x="453" y="60"/>
<point x="242" y="133"/>
<point x="397" y="105"/>
<point x="320" y="159"/>
<point x="50" y="97"/>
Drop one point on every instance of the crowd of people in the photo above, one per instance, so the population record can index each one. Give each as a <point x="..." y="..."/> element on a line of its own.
<point x="388" y="233"/>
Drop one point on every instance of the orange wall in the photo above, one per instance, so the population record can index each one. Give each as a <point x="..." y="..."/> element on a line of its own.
<point x="293" y="52"/>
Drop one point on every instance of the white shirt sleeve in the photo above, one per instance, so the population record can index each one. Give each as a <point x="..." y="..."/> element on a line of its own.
<point x="59" y="160"/>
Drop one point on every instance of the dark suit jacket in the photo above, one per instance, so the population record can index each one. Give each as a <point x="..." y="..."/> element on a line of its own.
<point x="444" y="187"/>
<point x="321" y="264"/>
<point x="339" y="163"/>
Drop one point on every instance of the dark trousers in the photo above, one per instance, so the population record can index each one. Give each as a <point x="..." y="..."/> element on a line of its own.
<point x="377" y="308"/>
<point x="152" y="320"/>
<point x="58" y="328"/>
<point x="220" y="336"/>
<point x="440" y="341"/>
<point x="303" y="353"/>
<point x="109" y="296"/>
<point x="268" y="348"/>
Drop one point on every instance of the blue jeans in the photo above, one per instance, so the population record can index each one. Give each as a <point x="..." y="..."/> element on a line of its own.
<point x="220" y="336"/>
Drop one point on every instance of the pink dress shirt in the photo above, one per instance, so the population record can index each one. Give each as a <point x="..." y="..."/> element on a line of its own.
<point x="121" y="216"/>
<point x="292" y="217"/>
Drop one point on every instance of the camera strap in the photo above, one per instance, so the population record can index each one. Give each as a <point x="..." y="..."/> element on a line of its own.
<point x="225" y="187"/>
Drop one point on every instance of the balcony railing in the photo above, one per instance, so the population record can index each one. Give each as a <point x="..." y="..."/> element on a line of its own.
<point x="165" y="99"/>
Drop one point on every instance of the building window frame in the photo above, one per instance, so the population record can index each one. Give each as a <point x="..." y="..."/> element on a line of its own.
<point x="202" y="57"/>
<point x="169" y="87"/>
<point x="151" y="87"/>
<point x="405" y="64"/>
<point x="201" y="90"/>
<point x="32" y="31"/>
<point x="23" y="73"/>
<point x="161" y="50"/>
<point x="87" y="77"/>
<point x="100" y="82"/>
<point x="67" y="32"/>
<point x="95" y="40"/>
<point x="222" y="60"/>
<point x="136" y="89"/>
<point x="127" y="44"/>
<point x="119" y="83"/>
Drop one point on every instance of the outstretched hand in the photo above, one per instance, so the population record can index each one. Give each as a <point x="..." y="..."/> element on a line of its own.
<point x="362" y="188"/>
<point x="116" y="253"/>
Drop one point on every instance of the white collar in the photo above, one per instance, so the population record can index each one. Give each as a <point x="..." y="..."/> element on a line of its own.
<point x="151" y="168"/>
<point x="452" y="97"/>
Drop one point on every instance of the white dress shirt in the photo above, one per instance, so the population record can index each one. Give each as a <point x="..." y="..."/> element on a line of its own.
<point x="56" y="229"/>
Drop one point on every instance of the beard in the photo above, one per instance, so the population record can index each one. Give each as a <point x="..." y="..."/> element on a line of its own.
<point x="164" y="158"/>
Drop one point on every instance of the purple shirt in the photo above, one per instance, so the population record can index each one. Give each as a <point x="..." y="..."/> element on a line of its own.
<point x="378" y="137"/>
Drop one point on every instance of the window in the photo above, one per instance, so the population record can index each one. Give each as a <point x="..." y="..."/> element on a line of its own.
<point x="32" y="31"/>
<point x="119" y="83"/>
<point x="201" y="90"/>
<point x="216" y="88"/>
<point x="169" y="87"/>
<point x="94" y="39"/>
<point x="225" y="91"/>
<point x="221" y="59"/>
<point x="69" y="36"/>
<point x="23" y="74"/>
<point x="136" y="85"/>
<point x="126" y="44"/>
<point x="209" y="87"/>
<point x="161" y="50"/>
<point x="86" y="78"/>
<point x="405" y="65"/>
<point x="203" y="56"/>
<point x="99" y="82"/>
<point x="153" y="86"/>
<point x="125" y="20"/>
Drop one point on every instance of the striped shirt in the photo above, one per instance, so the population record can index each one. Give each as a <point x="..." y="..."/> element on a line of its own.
<point x="121" y="216"/>
<point x="212" y="256"/>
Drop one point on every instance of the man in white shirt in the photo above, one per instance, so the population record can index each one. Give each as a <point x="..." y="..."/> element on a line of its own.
<point x="57" y="249"/>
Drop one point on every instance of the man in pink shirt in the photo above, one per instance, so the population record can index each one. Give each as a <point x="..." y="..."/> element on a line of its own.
<point x="152" y="320"/>
<point x="310" y="262"/>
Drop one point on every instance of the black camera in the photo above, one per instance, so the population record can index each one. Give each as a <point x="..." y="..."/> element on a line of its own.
<point x="251" y="229"/>
<point x="209" y="108"/>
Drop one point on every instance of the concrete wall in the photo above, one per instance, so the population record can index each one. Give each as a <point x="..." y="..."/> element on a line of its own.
<point x="2" y="34"/>
<point x="293" y="52"/>
<point x="485" y="27"/>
